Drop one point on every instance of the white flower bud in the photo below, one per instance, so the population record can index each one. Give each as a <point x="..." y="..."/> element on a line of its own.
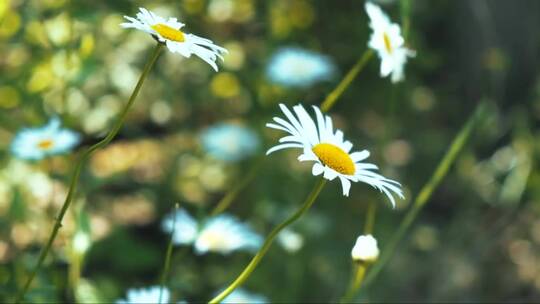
<point x="365" y="250"/>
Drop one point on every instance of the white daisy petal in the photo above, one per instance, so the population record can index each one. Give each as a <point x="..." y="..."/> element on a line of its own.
<point x="168" y="31"/>
<point x="329" y="151"/>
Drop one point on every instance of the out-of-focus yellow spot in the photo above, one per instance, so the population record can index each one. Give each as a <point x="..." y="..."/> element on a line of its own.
<point x="302" y="14"/>
<point x="110" y="26"/>
<point x="285" y="15"/>
<point x="59" y="29"/>
<point x="225" y="85"/>
<point x="9" y="97"/>
<point x="193" y="6"/>
<point x="54" y="3"/>
<point x="9" y="24"/>
<point x="495" y="60"/>
<point x="3" y="7"/>
<point x="65" y="65"/>
<point x="234" y="60"/>
<point x="87" y="45"/>
<point x="221" y="10"/>
<point x="42" y="77"/>
<point x="16" y="56"/>
<point x="35" y="33"/>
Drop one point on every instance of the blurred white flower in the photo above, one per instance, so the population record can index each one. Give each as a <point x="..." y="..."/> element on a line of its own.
<point x="387" y="41"/>
<point x="365" y="249"/>
<point x="222" y="233"/>
<point x="239" y="296"/>
<point x="290" y="240"/>
<point x="38" y="143"/>
<point x="81" y="242"/>
<point x="168" y="31"/>
<point x="295" y="67"/>
<point x="329" y="151"/>
<point x="146" y="296"/>
<point x="229" y="142"/>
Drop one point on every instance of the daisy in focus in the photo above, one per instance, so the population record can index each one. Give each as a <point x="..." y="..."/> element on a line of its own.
<point x="222" y="233"/>
<point x="169" y="31"/>
<point x="38" y="143"/>
<point x="387" y="41"/>
<point x="365" y="249"/>
<point x="241" y="296"/>
<point x="229" y="142"/>
<point x="330" y="151"/>
<point x="146" y="296"/>
<point x="296" y="67"/>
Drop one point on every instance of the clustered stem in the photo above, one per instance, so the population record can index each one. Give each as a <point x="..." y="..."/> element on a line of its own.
<point x="79" y="165"/>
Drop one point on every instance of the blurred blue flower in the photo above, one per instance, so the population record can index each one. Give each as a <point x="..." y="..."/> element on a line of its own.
<point x="295" y="67"/>
<point x="223" y="233"/>
<point x="146" y="296"/>
<point x="229" y="142"/>
<point x="241" y="296"/>
<point x="38" y="143"/>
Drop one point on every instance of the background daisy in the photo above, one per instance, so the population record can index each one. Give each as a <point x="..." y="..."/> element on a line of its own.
<point x="38" y="143"/>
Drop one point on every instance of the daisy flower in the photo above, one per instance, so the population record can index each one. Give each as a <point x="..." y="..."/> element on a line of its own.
<point x="38" y="143"/>
<point x="146" y="296"/>
<point x="330" y="152"/>
<point x="222" y="233"/>
<point x="169" y="31"/>
<point x="387" y="41"/>
<point x="229" y="142"/>
<point x="365" y="249"/>
<point x="296" y="67"/>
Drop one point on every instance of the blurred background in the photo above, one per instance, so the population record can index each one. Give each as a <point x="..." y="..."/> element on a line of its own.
<point x="477" y="239"/>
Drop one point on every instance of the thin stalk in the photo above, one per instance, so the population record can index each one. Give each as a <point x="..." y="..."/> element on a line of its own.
<point x="427" y="190"/>
<point x="331" y="99"/>
<point x="80" y="164"/>
<point x="405" y="17"/>
<point x="370" y="217"/>
<point x="356" y="282"/>
<point x="268" y="242"/>
<point x="168" y="255"/>
<point x="326" y="105"/>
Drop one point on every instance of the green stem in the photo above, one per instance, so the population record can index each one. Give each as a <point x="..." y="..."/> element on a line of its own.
<point x="370" y="218"/>
<point x="227" y="200"/>
<point x="80" y="164"/>
<point x="427" y="190"/>
<point x="356" y="282"/>
<point x="268" y="242"/>
<point x="405" y="17"/>
<point x="331" y="99"/>
<point x="168" y="255"/>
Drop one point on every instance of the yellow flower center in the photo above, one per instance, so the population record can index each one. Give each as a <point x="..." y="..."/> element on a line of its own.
<point x="168" y="32"/>
<point x="45" y="144"/>
<point x="335" y="158"/>
<point x="387" y="43"/>
<point x="213" y="239"/>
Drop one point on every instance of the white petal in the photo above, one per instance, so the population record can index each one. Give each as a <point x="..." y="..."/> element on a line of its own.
<point x="283" y="146"/>
<point x="317" y="169"/>
<point x="346" y="184"/>
<point x="359" y="156"/>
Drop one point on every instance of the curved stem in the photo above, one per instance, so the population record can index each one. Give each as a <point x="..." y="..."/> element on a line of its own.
<point x="356" y="283"/>
<point x="331" y="99"/>
<point x="79" y="166"/>
<point x="427" y="190"/>
<point x="268" y="242"/>
<point x="168" y="255"/>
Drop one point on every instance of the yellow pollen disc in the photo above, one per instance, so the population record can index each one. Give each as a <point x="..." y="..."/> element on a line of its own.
<point x="335" y="158"/>
<point x="45" y="144"/>
<point x="168" y="32"/>
<point x="387" y="43"/>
